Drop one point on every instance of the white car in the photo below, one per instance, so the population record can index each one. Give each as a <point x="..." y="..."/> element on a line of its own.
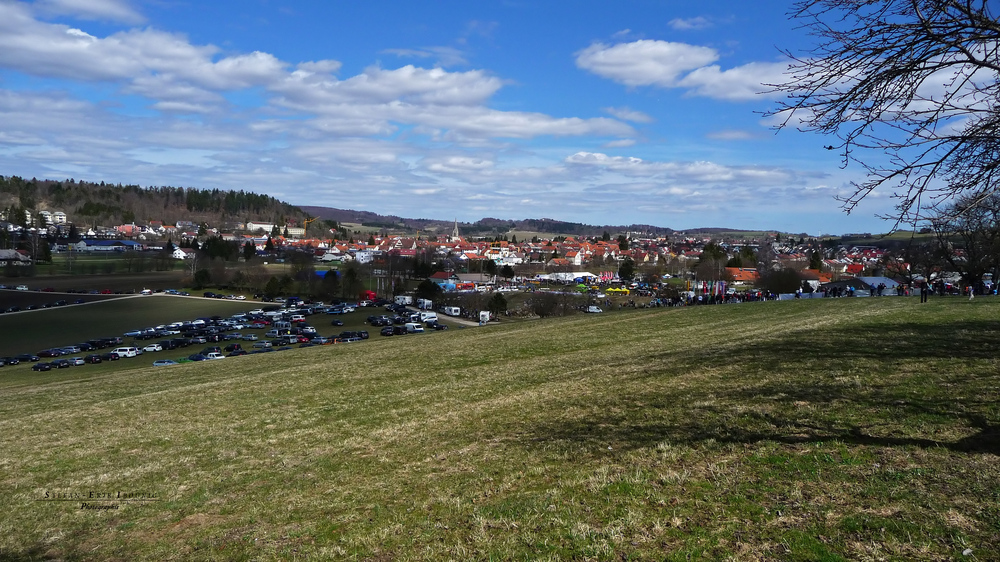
<point x="250" y="337"/>
<point x="240" y="298"/>
<point x="22" y="287"/>
<point x="153" y="347"/>
<point x="215" y="355"/>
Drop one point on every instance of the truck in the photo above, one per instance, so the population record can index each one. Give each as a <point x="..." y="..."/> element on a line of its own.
<point x="404" y="300"/>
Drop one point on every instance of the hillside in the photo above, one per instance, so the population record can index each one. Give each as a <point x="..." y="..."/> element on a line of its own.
<point x="91" y="204"/>
<point x="482" y="227"/>
<point x="837" y="430"/>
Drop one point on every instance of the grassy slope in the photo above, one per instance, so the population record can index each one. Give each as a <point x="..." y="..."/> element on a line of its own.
<point x="29" y="332"/>
<point x="848" y="429"/>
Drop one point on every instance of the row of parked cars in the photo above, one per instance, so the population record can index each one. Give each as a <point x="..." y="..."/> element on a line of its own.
<point x="286" y="326"/>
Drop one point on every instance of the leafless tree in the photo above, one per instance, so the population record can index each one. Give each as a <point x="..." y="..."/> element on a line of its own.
<point x="909" y="88"/>
<point x="970" y="232"/>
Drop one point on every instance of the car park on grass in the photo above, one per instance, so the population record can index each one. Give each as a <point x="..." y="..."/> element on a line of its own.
<point x="41" y="366"/>
<point x="164" y="362"/>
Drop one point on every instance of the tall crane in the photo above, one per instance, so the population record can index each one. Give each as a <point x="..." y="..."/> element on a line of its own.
<point x="305" y="224"/>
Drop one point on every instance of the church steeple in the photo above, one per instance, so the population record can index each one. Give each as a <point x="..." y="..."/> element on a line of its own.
<point x="454" y="234"/>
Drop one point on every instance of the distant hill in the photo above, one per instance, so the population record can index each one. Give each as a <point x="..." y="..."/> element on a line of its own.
<point x="89" y="204"/>
<point x="482" y="227"/>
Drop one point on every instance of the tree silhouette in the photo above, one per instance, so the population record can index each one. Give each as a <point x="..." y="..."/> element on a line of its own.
<point x="910" y="90"/>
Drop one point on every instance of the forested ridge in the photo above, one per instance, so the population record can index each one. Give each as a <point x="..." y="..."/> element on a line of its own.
<point x="91" y="204"/>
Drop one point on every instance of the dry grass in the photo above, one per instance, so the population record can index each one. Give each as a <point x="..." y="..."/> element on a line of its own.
<point x="851" y="429"/>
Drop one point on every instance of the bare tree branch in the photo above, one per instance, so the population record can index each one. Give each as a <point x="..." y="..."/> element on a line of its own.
<point x="911" y="90"/>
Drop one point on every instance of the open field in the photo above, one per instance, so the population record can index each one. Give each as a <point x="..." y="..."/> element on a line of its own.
<point x="28" y="332"/>
<point x="813" y="430"/>
<point x="115" y="282"/>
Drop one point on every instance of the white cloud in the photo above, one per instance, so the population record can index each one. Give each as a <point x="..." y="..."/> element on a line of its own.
<point x="739" y="83"/>
<point x="690" y="23"/>
<point x="375" y="85"/>
<point x="111" y="10"/>
<point x="679" y="65"/>
<point x="694" y="172"/>
<point x="627" y="114"/>
<point x="645" y="62"/>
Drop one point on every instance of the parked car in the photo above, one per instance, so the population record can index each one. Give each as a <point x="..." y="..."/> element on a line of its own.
<point x="92" y="358"/>
<point x="61" y="363"/>
<point x="215" y="355"/>
<point x="127" y="351"/>
<point x="10" y="360"/>
<point x="197" y="357"/>
<point x="110" y="356"/>
<point x="27" y="357"/>
<point x="233" y="347"/>
<point x="164" y="362"/>
<point x="42" y="366"/>
<point x="388" y="331"/>
<point x="48" y="353"/>
<point x="237" y="353"/>
<point x="76" y="361"/>
<point x="153" y="347"/>
<point x="250" y="337"/>
<point x="22" y="287"/>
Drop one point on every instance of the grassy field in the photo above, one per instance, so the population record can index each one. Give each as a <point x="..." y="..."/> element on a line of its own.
<point x="851" y="429"/>
<point x="29" y="332"/>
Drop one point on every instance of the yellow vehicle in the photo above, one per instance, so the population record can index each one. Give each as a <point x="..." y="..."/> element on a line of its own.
<point x="617" y="291"/>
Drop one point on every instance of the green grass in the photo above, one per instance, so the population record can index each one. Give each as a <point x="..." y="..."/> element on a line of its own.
<point x="29" y="332"/>
<point x="813" y="430"/>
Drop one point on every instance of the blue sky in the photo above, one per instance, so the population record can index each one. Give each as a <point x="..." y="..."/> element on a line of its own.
<point x="605" y="113"/>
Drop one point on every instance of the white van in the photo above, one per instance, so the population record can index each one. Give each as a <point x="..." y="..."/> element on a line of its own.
<point x="413" y="328"/>
<point x="282" y="325"/>
<point x="127" y="351"/>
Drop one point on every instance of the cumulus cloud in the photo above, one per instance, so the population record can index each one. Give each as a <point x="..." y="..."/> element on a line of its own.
<point x="678" y="65"/>
<point x="739" y="83"/>
<point x="108" y="10"/>
<point x="645" y="62"/>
